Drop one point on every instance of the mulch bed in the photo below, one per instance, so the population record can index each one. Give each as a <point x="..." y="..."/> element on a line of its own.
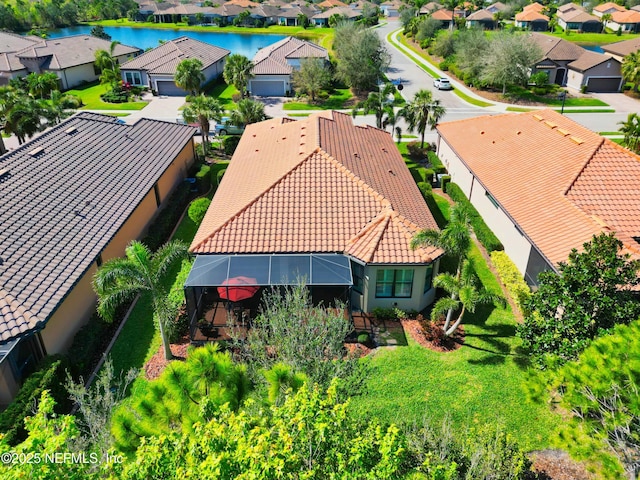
<point x="357" y="350"/>
<point x="413" y="328"/>
<point x="557" y="465"/>
<point x="154" y="367"/>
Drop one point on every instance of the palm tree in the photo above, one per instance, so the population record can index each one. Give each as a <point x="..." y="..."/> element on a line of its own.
<point x="375" y="103"/>
<point x="248" y="111"/>
<point x="108" y="66"/>
<point x="422" y="111"/>
<point x="237" y="72"/>
<point x="631" y="130"/>
<point x="467" y="292"/>
<point x="390" y="119"/>
<point x="7" y="100"/>
<point x="631" y="68"/>
<point x="454" y="239"/>
<point x="119" y="280"/>
<point x="61" y="106"/>
<point x="189" y="75"/>
<point x="202" y="110"/>
<point x="25" y="117"/>
<point x="606" y="18"/>
<point x="451" y="4"/>
<point x="42" y="84"/>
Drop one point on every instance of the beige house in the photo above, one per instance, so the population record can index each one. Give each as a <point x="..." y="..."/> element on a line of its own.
<point x="104" y="183"/>
<point x="72" y="59"/>
<point x="320" y="199"/>
<point x="543" y="184"/>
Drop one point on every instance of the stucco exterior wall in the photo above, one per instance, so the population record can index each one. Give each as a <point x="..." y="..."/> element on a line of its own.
<point x="74" y="76"/>
<point x="574" y="79"/>
<point x="214" y="71"/>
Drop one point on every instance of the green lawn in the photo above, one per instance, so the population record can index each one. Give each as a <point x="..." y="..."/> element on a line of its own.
<point x="592" y="38"/>
<point x="479" y="383"/>
<point x="336" y="101"/>
<point x="90" y="95"/>
<point x="224" y="93"/>
<point x="519" y="93"/>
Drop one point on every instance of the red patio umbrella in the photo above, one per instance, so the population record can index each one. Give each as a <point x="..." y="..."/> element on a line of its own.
<point x="238" y="288"/>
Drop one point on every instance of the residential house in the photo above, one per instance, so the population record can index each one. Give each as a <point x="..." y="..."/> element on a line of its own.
<point x="543" y="184"/>
<point x="318" y="200"/>
<point x="445" y="17"/>
<point x="635" y="8"/>
<point x="429" y="8"/>
<point x="481" y="19"/>
<point x="391" y="8"/>
<point x="561" y="61"/>
<point x="533" y="7"/>
<point x="322" y="19"/>
<point x="273" y="66"/>
<point x="327" y="4"/>
<point x="242" y="3"/>
<point x="497" y="7"/>
<point x="532" y="20"/>
<point x="619" y="50"/>
<point x="609" y="7"/>
<point x="291" y="15"/>
<point x="72" y="59"/>
<point x="627" y="21"/>
<point x="576" y="19"/>
<point x="157" y="67"/>
<point x="104" y="183"/>
<point x="569" y="7"/>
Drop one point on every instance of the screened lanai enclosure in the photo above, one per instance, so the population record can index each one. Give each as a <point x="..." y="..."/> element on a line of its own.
<point x="226" y="290"/>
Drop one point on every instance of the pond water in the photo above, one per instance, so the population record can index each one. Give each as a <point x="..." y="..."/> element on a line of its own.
<point x="593" y="48"/>
<point x="246" y="44"/>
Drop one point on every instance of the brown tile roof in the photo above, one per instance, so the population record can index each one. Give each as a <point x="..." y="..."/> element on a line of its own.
<point x="578" y="16"/>
<point x="556" y="49"/>
<point x="530" y="16"/>
<point x="442" y="15"/>
<point x="568" y="7"/>
<point x="623" y="48"/>
<point x="589" y="60"/>
<point x="627" y="16"/>
<point x="571" y="183"/>
<point x="344" y="11"/>
<point x="66" y="52"/>
<point x="242" y="3"/>
<point x="481" y="15"/>
<point x="55" y="225"/>
<point x="430" y="7"/>
<point x="603" y="7"/>
<point x="272" y="60"/>
<point x="165" y="58"/>
<point x="321" y="184"/>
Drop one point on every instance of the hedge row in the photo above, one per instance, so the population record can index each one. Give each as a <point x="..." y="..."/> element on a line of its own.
<point x="483" y="233"/>
<point x="49" y="376"/>
<point x="512" y="279"/>
<point x="421" y="174"/>
<point x="165" y="222"/>
<point x="203" y="178"/>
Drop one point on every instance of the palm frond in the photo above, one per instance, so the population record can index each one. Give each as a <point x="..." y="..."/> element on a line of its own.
<point x="442" y="306"/>
<point x="166" y="255"/>
<point x="426" y="237"/>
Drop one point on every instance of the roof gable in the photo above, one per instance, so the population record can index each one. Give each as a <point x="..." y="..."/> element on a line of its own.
<point x="272" y="60"/>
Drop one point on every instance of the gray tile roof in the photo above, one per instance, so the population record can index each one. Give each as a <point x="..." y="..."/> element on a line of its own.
<point x="623" y="48"/>
<point x="12" y="42"/>
<point x="165" y="58"/>
<point x="272" y="60"/>
<point x="65" y="195"/>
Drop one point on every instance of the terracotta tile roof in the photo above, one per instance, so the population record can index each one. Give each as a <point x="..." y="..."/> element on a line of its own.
<point x="533" y="7"/>
<point x="623" y="48"/>
<point x="589" y="60"/>
<point x="627" y="16"/>
<point x="442" y="15"/>
<point x="272" y="60"/>
<point x="572" y="183"/>
<point x="530" y="16"/>
<point x="165" y="58"/>
<point x="331" y="4"/>
<point x="317" y="185"/>
<point x="55" y="225"/>
<point x="430" y="7"/>
<point x="242" y="3"/>
<point x="603" y="7"/>
<point x="497" y="6"/>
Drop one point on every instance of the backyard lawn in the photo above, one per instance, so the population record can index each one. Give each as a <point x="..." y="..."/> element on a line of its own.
<point x="90" y="95"/>
<point x="479" y="383"/>
<point x="592" y="38"/>
<point x="224" y="93"/>
<point x="336" y="101"/>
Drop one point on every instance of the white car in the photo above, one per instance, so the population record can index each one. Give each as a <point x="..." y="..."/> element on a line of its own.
<point x="442" y="83"/>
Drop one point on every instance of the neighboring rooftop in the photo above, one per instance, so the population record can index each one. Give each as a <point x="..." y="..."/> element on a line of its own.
<point x="627" y="16"/>
<point x="533" y="7"/>
<point x="54" y="226"/>
<point x="273" y="60"/>
<point x="571" y="183"/>
<point x="556" y="49"/>
<point x="318" y="185"/>
<point x="481" y="15"/>
<point x="531" y="16"/>
<point x="623" y="48"/>
<point x="603" y="7"/>
<point x="578" y="16"/>
<point x="165" y="58"/>
<point x="589" y="60"/>
<point x="12" y="42"/>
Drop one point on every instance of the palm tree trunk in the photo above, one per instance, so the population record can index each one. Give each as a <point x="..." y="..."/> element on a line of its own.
<point x="449" y="315"/>
<point x="422" y="138"/>
<point x="3" y="148"/>
<point x="165" y="341"/>
<point x="453" y="328"/>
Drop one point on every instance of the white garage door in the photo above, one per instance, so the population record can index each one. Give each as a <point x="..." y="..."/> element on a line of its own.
<point x="169" y="88"/>
<point x="267" y="88"/>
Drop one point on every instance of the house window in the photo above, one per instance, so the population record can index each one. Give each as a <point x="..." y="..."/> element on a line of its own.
<point x="358" y="276"/>
<point x="428" y="277"/>
<point x="492" y="200"/>
<point x="396" y="283"/>
<point x="133" y="78"/>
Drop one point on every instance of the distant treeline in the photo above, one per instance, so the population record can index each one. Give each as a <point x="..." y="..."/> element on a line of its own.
<point x="24" y="15"/>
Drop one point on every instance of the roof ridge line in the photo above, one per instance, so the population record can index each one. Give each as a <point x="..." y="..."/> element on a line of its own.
<point x="255" y="199"/>
<point x="584" y="166"/>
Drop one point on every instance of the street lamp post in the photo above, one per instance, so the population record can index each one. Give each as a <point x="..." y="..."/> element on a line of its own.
<point x="562" y="96"/>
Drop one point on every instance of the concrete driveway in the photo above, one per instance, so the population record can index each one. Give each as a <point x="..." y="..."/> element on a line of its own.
<point x="619" y="101"/>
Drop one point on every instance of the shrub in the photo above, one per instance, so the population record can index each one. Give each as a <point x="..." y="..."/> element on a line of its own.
<point x="444" y="180"/>
<point x="583" y="89"/>
<point x="485" y="236"/>
<point x="380" y="313"/>
<point x="219" y="176"/>
<point x="166" y="221"/>
<point x="512" y="279"/>
<point x="230" y="143"/>
<point x="425" y="189"/>
<point x="203" y="178"/>
<point x="198" y="209"/>
<point x="428" y="175"/>
<point x="116" y="95"/>
<point x="50" y="375"/>
<point x="435" y="162"/>
<point x="363" y="338"/>
<point x="416" y="152"/>
<point x="539" y="90"/>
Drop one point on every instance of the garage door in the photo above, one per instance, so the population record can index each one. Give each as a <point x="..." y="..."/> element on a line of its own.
<point x="169" y="88"/>
<point x="610" y="84"/>
<point x="264" y="88"/>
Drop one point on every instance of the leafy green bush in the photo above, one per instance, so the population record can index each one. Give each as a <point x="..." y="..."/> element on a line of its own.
<point x="425" y="189"/>
<point x="436" y="163"/>
<point x="444" y="180"/>
<point x="511" y="278"/>
<point x="116" y="95"/>
<point x="230" y="143"/>
<point x="380" y="313"/>
<point x="166" y="221"/>
<point x="50" y="375"/>
<point x="88" y="343"/>
<point x="203" y="178"/>
<point x="198" y="208"/>
<point x="363" y="338"/>
<point x="485" y="236"/>
<point x="428" y="175"/>
<point x="416" y="152"/>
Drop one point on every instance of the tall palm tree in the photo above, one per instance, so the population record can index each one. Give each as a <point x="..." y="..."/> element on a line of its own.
<point x="631" y="68"/>
<point x="631" y="131"/>
<point x="237" y="72"/>
<point x="119" y="280"/>
<point x="467" y="292"/>
<point x="25" y="118"/>
<point x="375" y="103"/>
<point x="108" y="65"/>
<point x="61" y="106"/>
<point x="248" y="111"/>
<point x="452" y="5"/>
<point x="422" y="111"/>
<point x="189" y="75"/>
<point x="454" y="239"/>
<point x="203" y="109"/>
